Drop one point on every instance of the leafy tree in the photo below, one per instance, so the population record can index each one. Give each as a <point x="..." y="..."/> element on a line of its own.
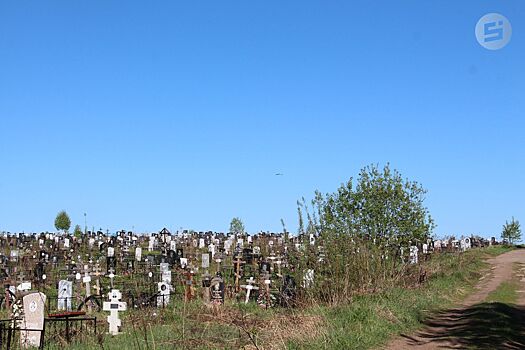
<point x="62" y="221"/>
<point x="362" y="227"/>
<point x="236" y="226"/>
<point x="77" y="232"/>
<point x="381" y="206"/>
<point x="511" y="231"/>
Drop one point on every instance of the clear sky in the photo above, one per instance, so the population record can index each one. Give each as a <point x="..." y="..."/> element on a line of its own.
<point x="145" y="114"/>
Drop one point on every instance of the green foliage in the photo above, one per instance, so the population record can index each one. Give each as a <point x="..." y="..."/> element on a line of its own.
<point x="380" y="206"/>
<point x="236" y="226"/>
<point x="77" y="232"/>
<point x="361" y="228"/>
<point x="511" y="231"/>
<point x="62" y="221"/>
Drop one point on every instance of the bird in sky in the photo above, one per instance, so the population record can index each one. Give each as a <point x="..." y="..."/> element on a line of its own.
<point x="278" y="174"/>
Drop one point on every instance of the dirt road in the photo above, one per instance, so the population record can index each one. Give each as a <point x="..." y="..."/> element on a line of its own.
<point x="474" y="324"/>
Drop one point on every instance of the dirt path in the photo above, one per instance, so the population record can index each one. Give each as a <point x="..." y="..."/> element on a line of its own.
<point x="474" y="324"/>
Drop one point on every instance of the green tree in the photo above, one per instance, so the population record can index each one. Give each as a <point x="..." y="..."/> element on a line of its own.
<point x="62" y="221"/>
<point x="77" y="232"/>
<point x="511" y="231"/>
<point x="361" y="228"/>
<point x="236" y="226"/>
<point x="381" y="207"/>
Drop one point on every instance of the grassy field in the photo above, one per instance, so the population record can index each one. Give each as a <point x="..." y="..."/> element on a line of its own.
<point x="367" y="322"/>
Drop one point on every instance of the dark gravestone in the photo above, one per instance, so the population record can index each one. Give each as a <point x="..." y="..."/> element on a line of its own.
<point x="217" y="289"/>
<point x="247" y="255"/>
<point x="172" y="258"/>
<point x="264" y="267"/>
<point x="111" y="264"/>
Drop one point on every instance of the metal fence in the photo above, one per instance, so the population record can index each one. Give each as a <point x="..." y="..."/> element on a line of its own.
<point x="56" y="331"/>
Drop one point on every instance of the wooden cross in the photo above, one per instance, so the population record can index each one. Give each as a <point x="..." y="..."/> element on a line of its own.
<point x="188" y="295"/>
<point x="97" y="273"/>
<point x="237" y="263"/>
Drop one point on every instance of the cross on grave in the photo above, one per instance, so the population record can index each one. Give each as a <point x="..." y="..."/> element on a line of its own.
<point x="97" y="273"/>
<point x="87" y="281"/>
<point x="114" y="306"/>
<point x="189" y="290"/>
<point x="237" y="263"/>
<point x="249" y="288"/>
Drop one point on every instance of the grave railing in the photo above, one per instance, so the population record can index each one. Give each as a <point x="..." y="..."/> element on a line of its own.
<point x="68" y="328"/>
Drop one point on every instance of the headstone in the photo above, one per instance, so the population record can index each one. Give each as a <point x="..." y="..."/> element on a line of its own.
<point x="217" y="290"/>
<point x="205" y="261"/>
<point x="65" y="293"/>
<point x="308" y="279"/>
<point x="34" y="305"/>
<point x="165" y="273"/>
<point x="163" y="298"/>
<point x="183" y="262"/>
<point x="138" y="254"/>
<point x="413" y="254"/>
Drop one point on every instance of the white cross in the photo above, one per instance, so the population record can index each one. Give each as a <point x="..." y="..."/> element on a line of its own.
<point x="114" y="306"/>
<point x="249" y="288"/>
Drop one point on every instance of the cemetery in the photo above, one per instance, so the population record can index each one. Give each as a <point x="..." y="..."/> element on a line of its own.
<point x="61" y="289"/>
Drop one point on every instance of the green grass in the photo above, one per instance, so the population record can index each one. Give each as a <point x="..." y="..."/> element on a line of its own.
<point x="505" y="293"/>
<point x="371" y="320"/>
<point x="367" y="322"/>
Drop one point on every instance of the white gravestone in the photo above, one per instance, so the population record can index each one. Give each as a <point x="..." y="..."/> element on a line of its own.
<point x="114" y="306"/>
<point x="163" y="298"/>
<point x="183" y="262"/>
<point x="33" y="321"/>
<point x="308" y="279"/>
<point x="205" y="261"/>
<point x="165" y="273"/>
<point x="138" y="254"/>
<point x="66" y="242"/>
<point x="211" y="249"/>
<point x="413" y="254"/>
<point x="151" y="243"/>
<point x="201" y="243"/>
<point x="173" y="245"/>
<point x="65" y="293"/>
<point x="111" y="252"/>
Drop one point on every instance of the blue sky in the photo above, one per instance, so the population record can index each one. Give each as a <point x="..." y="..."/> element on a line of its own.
<point x="178" y="114"/>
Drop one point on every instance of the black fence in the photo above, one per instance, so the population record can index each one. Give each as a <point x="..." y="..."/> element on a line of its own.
<point x="56" y="331"/>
